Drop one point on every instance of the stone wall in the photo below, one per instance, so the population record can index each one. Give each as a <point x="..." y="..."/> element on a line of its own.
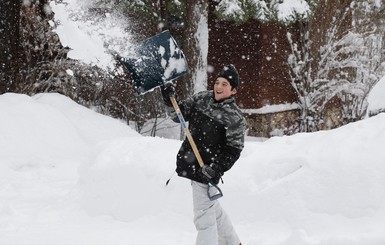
<point x="272" y="124"/>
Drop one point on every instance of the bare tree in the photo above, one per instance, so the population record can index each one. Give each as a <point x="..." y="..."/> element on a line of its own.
<point x="368" y="21"/>
<point x="335" y="57"/>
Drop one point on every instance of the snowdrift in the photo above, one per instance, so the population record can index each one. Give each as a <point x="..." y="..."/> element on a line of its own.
<point x="69" y="175"/>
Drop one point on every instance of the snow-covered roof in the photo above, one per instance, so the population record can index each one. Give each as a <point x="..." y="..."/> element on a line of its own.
<point x="272" y="108"/>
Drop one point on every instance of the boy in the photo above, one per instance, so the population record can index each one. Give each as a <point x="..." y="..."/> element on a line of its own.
<point x="217" y="127"/>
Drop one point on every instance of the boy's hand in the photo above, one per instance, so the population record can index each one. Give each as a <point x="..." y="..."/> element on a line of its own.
<point x="210" y="171"/>
<point x="167" y="91"/>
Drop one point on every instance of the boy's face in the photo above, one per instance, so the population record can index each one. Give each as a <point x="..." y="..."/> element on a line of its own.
<point x="222" y="89"/>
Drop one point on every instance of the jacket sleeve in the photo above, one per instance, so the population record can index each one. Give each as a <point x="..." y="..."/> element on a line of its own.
<point x="185" y="107"/>
<point x="227" y="158"/>
<point x="235" y="137"/>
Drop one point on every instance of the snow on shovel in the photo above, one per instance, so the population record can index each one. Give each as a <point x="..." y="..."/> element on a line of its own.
<point x="159" y="61"/>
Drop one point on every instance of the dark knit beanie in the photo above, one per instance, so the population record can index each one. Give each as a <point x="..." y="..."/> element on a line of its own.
<point x="230" y="73"/>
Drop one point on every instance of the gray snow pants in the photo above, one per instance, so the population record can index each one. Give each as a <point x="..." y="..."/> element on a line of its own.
<point x="212" y="223"/>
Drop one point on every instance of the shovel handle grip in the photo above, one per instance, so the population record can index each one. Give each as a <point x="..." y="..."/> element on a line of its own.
<point x="187" y="131"/>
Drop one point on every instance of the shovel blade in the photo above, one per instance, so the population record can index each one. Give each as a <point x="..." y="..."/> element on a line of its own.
<point x="159" y="60"/>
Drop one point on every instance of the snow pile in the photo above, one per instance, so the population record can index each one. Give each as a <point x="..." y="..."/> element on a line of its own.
<point x="376" y="98"/>
<point x="175" y="63"/>
<point x="71" y="176"/>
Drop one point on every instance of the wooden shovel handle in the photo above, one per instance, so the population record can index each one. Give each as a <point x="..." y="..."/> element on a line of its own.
<point x="187" y="131"/>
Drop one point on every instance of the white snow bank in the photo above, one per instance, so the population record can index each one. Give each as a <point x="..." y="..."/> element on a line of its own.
<point x="376" y="98"/>
<point x="29" y="128"/>
<point x="51" y="126"/>
<point x="71" y="176"/>
<point x="322" y="187"/>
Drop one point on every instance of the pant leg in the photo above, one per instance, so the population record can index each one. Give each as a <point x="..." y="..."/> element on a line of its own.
<point x="211" y="221"/>
<point x="226" y="231"/>
<point x="204" y="215"/>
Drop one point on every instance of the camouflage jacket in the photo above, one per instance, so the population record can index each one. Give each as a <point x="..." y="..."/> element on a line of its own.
<point x="218" y="129"/>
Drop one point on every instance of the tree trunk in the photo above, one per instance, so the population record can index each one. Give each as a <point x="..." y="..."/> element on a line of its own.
<point x="196" y="40"/>
<point x="9" y="44"/>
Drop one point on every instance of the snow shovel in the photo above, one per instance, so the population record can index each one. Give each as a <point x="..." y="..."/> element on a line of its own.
<point x="159" y="61"/>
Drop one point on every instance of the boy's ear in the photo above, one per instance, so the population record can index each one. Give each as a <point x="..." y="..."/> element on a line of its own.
<point x="233" y="91"/>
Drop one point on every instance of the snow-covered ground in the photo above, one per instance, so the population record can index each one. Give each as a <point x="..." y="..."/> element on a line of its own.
<point x="70" y="176"/>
